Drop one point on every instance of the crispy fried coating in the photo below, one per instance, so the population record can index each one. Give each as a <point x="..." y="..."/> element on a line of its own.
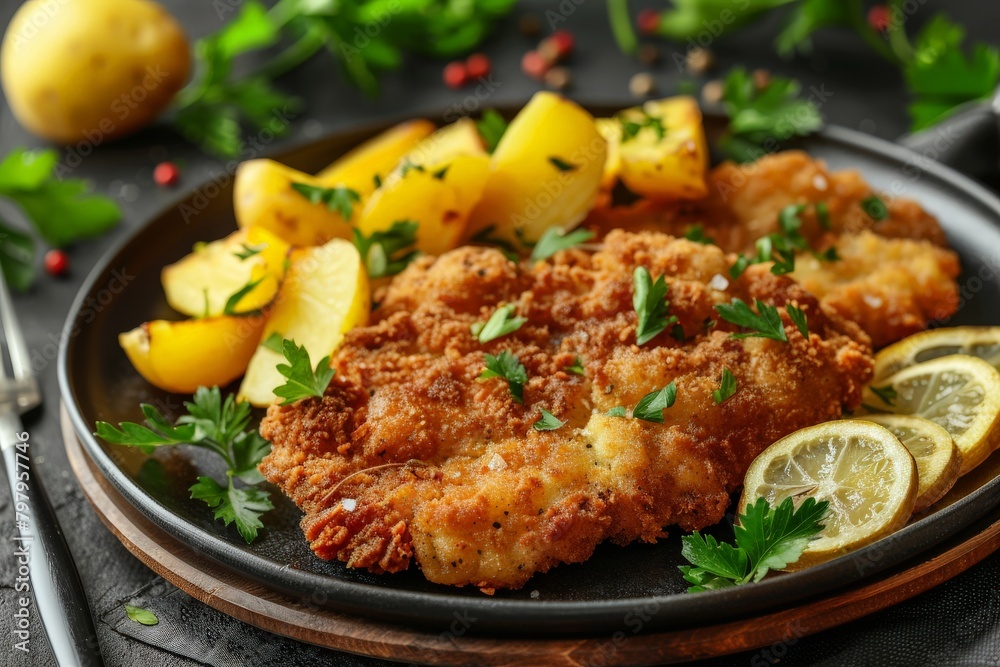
<point x="410" y="457"/>
<point x="899" y="275"/>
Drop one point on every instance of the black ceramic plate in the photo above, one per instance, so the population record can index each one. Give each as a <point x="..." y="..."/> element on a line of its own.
<point x="618" y="588"/>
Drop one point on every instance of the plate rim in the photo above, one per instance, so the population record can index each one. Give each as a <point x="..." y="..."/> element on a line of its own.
<point x="507" y="615"/>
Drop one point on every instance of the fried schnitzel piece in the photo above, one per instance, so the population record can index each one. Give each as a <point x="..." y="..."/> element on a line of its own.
<point x="906" y="281"/>
<point x="411" y="457"/>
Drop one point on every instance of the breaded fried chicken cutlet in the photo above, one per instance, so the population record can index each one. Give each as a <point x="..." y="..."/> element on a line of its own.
<point x="412" y="458"/>
<point x="897" y="275"/>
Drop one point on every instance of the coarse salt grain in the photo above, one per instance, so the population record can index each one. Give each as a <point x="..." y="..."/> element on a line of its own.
<point x="349" y="504"/>
<point x="819" y="182"/>
<point x="873" y="301"/>
<point x="496" y="463"/>
<point x="718" y="282"/>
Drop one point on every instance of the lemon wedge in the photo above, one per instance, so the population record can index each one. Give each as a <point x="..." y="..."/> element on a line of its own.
<point x="958" y="392"/>
<point x="982" y="342"/>
<point x="860" y="468"/>
<point x="937" y="458"/>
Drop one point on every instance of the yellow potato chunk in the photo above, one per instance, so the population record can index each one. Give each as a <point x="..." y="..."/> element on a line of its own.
<point x="324" y="295"/>
<point x="202" y="283"/>
<point x="546" y="171"/>
<point x="263" y="196"/>
<point x="182" y="356"/>
<point x="376" y="157"/>
<point x="438" y="201"/>
<point x="611" y="130"/>
<point x="667" y="156"/>
<point x="439" y="149"/>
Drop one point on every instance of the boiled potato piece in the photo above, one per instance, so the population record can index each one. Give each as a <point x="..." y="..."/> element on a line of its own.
<point x="545" y="172"/>
<point x="439" y="149"/>
<point x="263" y="196"/>
<point x="91" y="70"/>
<point x="611" y="130"/>
<point x="182" y="356"/>
<point x="439" y="203"/>
<point x="671" y="166"/>
<point x="324" y="295"/>
<point x="201" y="283"/>
<point x="376" y="157"/>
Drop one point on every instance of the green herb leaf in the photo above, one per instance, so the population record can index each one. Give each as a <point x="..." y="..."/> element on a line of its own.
<point x="875" y="208"/>
<point x="273" y="342"/>
<point x="618" y="411"/>
<point x="727" y="387"/>
<point x="17" y="257"/>
<point x="631" y="126"/>
<point x="887" y="393"/>
<point x="696" y="233"/>
<point x="799" y="318"/>
<point x="340" y="198"/>
<point x="941" y="76"/>
<point x="233" y="302"/>
<point x="548" y="422"/>
<point x="242" y="506"/>
<point x="823" y="215"/>
<point x="140" y="615"/>
<point x="651" y="406"/>
<point x="249" y="251"/>
<point x="828" y="255"/>
<point x="501" y="323"/>
<point x="650" y="302"/>
<point x="157" y="432"/>
<point x="561" y="165"/>
<point x="576" y="368"/>
<point x="766" y="323"/>
<point x="554" y="240"/>
<point x="508" y="367"/>
<point x="760" y="116"/>
<point x="773" y="538"/>
<point x="766" y="539"/>
<point x="387" y="253"/>
<point x="491" y="128"/>
<point x="302" y="381"/>
<point x="62" y="210"/>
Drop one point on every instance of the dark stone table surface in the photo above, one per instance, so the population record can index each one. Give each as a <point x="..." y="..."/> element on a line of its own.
<point x="956" y="624"/>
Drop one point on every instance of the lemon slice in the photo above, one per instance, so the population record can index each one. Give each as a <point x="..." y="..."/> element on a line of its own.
<point x="982" y="342"/>
<point x="958" y="392"/>
<point x="860" y="468"/>
<point x="932" y="448"/>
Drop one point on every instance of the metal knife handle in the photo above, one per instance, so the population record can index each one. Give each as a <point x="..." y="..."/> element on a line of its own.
<point x="43" y="561"/>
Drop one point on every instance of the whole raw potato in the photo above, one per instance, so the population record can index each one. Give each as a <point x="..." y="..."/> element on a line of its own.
<point x="91" y="70"/>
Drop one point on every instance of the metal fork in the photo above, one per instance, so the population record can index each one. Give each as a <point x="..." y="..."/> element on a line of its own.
<point x="40" y="547"/>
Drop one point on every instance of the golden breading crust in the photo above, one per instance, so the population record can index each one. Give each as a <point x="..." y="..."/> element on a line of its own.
<point x="410" y="457"/>
<point x="899" y="276"/>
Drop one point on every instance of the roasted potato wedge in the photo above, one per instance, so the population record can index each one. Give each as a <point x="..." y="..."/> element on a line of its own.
<point x="376" y="157"/>
<point x="440" y="148"/>
<point x="324" y="295"/>
<point x="545" y="172"/>
<point x="667" y="156"/>
<point x="439" y="202"/>
<point x="202" y="283"/>
<point x="263" y="196"/>
<point x="182" y="356"/>
<point x="611" y="130"/>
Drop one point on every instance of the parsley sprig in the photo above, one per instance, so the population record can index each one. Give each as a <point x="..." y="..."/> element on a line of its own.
<point x="62" y="210"/>
<point x="219" y="425"/>
<point x="491" y="126"/>
<point x="727" y="387"/>
<point x="765" y="323"/>
<point x="766" y="539"/>
<point x="555" y="239"/>
<point x="548" y="421"/>
<point x="507" y="366"/>
<point x="501" y="323"/>
<point x="338" y="198"/>
<point x="649" y="299"/>
<point x="651" y="406"/>
<point x="388" y="252"/>
<point x="301" y="379"/>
